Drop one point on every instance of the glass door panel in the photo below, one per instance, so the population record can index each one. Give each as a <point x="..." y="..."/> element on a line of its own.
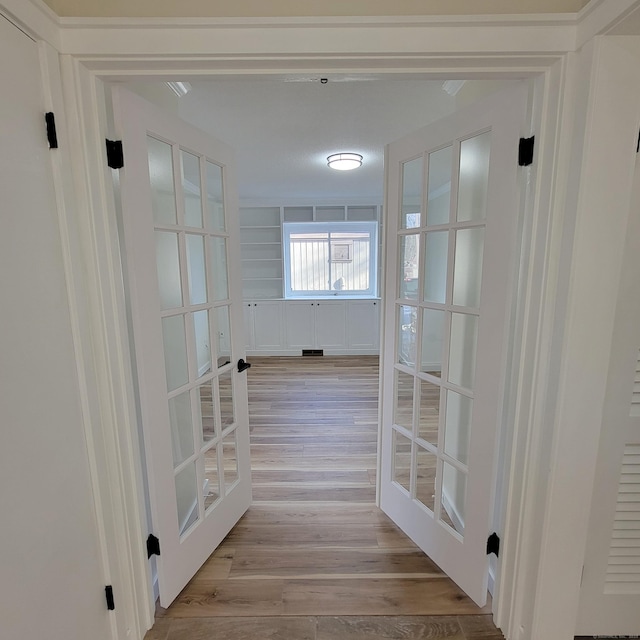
<point x="202" y="339"/>
<point x="215" y="198"/>
<point x="168" y="266"/>
<point x="225" y="388"/>
<point x="218" y="269"/>
<point x="175" y="351"/>
<point x="439" y="186"/>
<point x="407" y="332"/>
<point x="163" y="193"/>
<point x="410" y="256"/>
<point x="473" y="178"/>
<point x="181" y="427"/>
<point x="467" y="276"/>
<point x="435" y="266"/>
<point x="411" y="193"/>
<point x="402" y="460"/>
<point x="208" y="421"/>
<point x="433" y="329"/>
<point x="212" y="477"/>
<point x="223" y="335"/>
<point x="462" y="349"/>
<point x="187" y="497"/>
<point x="457" y="429"/>
<point x="230" y="459"/>
<point x="426" y="465"/>
<point x="403" y="413"/>
<point x="191" y="190"/>
<point x="429" y="418"/>
<point x="454" y="492"/>
<point x="197" y="272"/>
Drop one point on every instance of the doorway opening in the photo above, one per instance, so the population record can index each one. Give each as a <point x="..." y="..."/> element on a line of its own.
<point x="309" y="198"/>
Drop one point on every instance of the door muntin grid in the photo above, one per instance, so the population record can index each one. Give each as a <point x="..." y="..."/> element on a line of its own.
<point x="190" y="227"/>
<point x="441" y="242"/>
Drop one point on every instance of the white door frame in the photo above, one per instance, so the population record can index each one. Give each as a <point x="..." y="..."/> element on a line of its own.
<point x="439" y="48"/>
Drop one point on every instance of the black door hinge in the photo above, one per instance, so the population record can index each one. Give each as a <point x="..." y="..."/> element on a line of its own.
<point x="115" y="157"/>
<point x="638" y="145"/>
<point x="493" y="544"/>
<point x="525" y="151"/>
<point x="108" y="592"/>
<point x="153" y="546"/>
<point x="52" y="135"/>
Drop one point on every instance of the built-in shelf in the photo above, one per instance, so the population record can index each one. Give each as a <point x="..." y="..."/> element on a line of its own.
<point x="261" y="241"/>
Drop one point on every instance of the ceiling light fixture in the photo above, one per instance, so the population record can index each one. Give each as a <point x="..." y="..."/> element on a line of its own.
<point x="344" y="161"/>
<point x="179" y="88"/>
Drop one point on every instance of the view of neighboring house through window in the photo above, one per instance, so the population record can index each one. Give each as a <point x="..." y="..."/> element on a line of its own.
<point x="330" y="259"/>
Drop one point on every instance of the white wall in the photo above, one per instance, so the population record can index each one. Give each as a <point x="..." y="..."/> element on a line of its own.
<point x="52" y="583"/>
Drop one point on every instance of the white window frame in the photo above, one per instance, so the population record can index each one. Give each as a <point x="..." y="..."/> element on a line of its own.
<point x="369" y="227"/>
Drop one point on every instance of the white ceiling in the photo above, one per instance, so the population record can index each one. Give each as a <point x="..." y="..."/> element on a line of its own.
<point x="283" y="129"/>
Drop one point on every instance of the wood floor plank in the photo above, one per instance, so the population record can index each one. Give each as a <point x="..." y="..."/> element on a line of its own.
<point x="288" y="476"/>
<point x="319" y="535"/>
<point x="389" y="628"/>
<point x="229" y="598"/>
<point x="262" y="460"/>
<point x="247" y="628"/>
<point x="307" y="492"/>
<point x="310" y="514"/>
<point x="403" y="596"/>
<point x="251" y="562"/>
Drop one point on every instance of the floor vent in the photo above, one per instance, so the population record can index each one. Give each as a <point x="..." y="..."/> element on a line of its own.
<point x="313" y="352"/>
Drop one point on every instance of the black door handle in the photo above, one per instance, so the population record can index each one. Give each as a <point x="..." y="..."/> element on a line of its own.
<point x="242" y="365"/>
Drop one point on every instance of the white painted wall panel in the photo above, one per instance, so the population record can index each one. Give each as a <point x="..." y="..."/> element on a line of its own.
<point x="52" y="584"/>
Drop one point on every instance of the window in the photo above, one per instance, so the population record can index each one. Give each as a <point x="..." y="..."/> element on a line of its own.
<point x="330" y="258"/>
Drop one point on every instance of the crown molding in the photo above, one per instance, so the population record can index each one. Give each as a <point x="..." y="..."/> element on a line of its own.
<point x="601" y="16"/>
<point x="35" y="18"/>
<point x="317" y="22"/>
<point x="187" y="44"/>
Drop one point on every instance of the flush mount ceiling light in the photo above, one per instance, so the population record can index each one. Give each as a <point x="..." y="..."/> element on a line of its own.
<point x="344" y="161"/>
<point x="179" y="88"/>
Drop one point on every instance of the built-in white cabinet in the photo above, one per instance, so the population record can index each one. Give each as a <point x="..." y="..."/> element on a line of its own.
<point x="287" y="327"/>
<point x="299" y="322"/>
<point x="263" y="326"/>
<point x="363" y="325"/>
<point x="316" y="324"/>
<point x="331" y="324"/>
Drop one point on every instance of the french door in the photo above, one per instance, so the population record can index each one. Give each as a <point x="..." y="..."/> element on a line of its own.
<point x="451" y="205"/>
<point x="181" y="252"/>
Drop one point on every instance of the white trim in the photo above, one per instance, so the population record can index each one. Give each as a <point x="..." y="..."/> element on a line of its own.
<point x="605" y="154"/>
<point x="525" y="426"/>
<point x="35" y="18"/>
<point x="337" y="226"/>
<point x="75" y="282"/>
<point x="523" y="447"/>
<point x="100" y="297"/>
<point x="295" y="22"/>
<point x="107" y="48"/>
<point x="249" y="203"/>
<point x="601" y="16"/>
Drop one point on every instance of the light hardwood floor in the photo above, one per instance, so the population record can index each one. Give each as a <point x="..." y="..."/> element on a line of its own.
<point x="313" y="558"/>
